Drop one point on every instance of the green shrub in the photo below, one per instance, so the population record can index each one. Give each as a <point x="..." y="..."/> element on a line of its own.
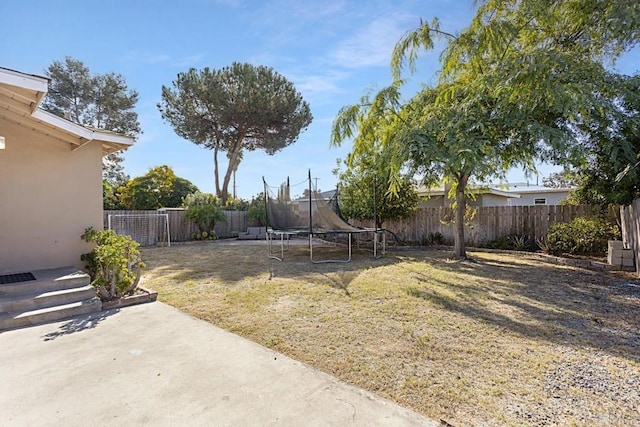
<point x="436" y="238"/>
<point x="512" y="242"/>
<point x="432" y="239"/>
<point x="521" y="243"/>
<point x="204" y="210"/>
<point x="583" y="235"/>
<point x="114" y="265"/>
<point x="204" y="235"/>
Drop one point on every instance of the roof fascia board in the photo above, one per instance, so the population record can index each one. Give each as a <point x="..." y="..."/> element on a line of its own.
<point x="80" y="131"/>
<point x="26" y="81"/>
<point x="503" y="193"/>
<point x="545" y="190"/>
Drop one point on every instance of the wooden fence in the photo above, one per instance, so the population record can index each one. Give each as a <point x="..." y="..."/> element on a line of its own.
<point x="487" y="224"/>
<point x="630" y="219"/>
<point x="181" y="229"/>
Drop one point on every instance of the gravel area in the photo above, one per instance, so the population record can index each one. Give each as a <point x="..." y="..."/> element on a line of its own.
<point x="572" y="385"/>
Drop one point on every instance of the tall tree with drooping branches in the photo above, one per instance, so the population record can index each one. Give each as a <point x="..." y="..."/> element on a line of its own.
<point x="512" y="87"/>
<point x="364" y="178"/>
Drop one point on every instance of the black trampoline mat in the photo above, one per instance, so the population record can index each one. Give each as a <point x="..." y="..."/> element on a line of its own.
<point x="15" y="278"/>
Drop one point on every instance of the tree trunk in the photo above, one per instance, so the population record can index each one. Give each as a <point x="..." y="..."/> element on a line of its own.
<point x="461" y="207"/>
<point x="233" y="162"/>
<point x="234" y="156"/>
<point x="215" y="171"/>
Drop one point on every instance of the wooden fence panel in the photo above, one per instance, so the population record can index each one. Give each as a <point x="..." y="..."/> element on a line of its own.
<point x="630" y="221"/>
<point x="488" y="224"/>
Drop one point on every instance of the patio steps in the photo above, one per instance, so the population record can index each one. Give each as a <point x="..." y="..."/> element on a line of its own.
<point x="56" y="294"/>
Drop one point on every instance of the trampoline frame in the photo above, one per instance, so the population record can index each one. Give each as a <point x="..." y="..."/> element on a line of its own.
<point x="286" y="234"/>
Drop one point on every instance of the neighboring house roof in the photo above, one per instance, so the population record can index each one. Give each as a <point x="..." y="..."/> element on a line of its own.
<point x="425" y="192"/>
<point x="525" y="189"/>
<point x="326" y="195"/>
<point x="20" y="98"/>
<point x="508" y="190"/>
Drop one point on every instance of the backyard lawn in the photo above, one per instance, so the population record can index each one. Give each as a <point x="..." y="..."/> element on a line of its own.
<point x="500" y="340"/>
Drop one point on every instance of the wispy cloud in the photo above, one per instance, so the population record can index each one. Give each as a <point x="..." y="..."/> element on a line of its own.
<point x="373" y="44"/>
<point x="315" y="10"/>
<point x="166" y="59"/>
<point x="188" y="61"/>
<point x="294" y="22"/>
<point x="319" y="83"/>
<point x="230" y="3"/>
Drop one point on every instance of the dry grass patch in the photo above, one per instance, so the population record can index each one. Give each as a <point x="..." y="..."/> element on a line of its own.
<point x="504" y="340"/>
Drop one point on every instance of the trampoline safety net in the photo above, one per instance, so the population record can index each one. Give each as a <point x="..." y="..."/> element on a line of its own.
<point x="309" y="212"/>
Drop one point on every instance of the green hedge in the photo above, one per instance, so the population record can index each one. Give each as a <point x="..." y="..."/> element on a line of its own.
<point x="583" y="235"/>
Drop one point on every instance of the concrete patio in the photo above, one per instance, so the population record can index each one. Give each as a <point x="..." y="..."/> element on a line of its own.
<point x="154" y="365"/>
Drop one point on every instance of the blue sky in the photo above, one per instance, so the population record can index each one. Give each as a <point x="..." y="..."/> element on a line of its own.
<point x="333" y="51"/>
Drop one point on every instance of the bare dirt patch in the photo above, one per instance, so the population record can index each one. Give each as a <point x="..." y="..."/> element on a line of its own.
<point x="503" y="340"/>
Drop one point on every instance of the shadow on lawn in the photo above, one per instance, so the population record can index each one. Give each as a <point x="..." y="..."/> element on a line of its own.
<point x="230" y="265"/>
<point x="562" y="305"/>
<point x="570" y="306"/>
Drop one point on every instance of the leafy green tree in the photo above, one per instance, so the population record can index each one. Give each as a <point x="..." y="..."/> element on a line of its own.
<point x="513" y="85"/>
<point x="364" y="189"/>
<point x="236" y="204"/>
<point x="101" y="101"/>
<point x="233" y="109"/>
<point x="110" y="197"/>
<point x="257" y="210"/>
<point x="180" y="189"/>
<point x="160" y="187"/>
<point x="608" y="175"/>
<point x="205" y="210"/>
<point x="563" y="179"/>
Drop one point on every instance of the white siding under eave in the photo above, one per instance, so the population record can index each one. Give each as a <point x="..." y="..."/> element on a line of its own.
<point x="528" y="199"/>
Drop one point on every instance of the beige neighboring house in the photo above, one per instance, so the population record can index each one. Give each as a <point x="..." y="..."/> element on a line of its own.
<point x="519" y="194"/>
<point x="435" y="197"/>
<point x="532" y="195"/>
<point x="50" y="178"/>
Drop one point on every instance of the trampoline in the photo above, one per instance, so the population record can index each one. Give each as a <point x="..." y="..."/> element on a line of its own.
<point x="309" y="215"/>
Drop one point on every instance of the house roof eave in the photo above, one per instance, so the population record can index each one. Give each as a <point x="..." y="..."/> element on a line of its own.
<point x="20" y="97"/>
<point x="30" y="82"/>
<point x="111" y="142"/>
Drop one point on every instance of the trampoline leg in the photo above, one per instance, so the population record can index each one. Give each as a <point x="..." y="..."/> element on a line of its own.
<point x="383" y="250"/>
<point x="328" y="260"/>
<point x="270" y="247"/>
<point x="375" y="244"/>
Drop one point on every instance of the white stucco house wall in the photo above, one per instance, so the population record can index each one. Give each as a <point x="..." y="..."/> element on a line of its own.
<point x="532" y="195"/>
<point x="50" y="178"/>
